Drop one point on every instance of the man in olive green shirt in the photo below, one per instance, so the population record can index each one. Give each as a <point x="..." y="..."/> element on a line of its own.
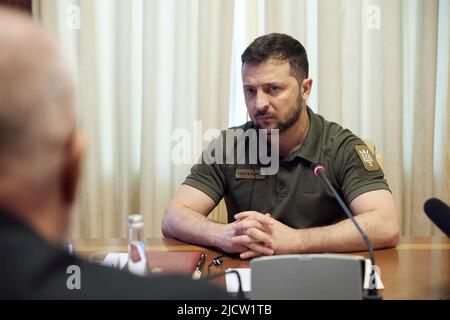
<point x="291" y="211"/>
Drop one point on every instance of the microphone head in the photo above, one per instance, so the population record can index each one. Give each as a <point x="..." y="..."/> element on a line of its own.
<point x="317" y="168"/>
<point x="439" y="213"/>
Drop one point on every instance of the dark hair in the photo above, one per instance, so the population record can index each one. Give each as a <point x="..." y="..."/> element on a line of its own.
<point x="278" y="46"/>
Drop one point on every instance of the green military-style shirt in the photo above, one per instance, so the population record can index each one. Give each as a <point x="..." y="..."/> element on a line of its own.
<point x="294" y="195"/>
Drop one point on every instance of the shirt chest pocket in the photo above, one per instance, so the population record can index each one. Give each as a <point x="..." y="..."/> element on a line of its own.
<point x="308" y="182"/>
<point x="234" y="185"/>
<point x="239" y="192"/>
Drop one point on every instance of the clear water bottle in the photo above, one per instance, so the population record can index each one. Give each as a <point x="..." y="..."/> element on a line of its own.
<point x="137" y="257"/>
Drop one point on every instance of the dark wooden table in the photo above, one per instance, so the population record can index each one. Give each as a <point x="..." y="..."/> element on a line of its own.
<point x="418" y="268"/>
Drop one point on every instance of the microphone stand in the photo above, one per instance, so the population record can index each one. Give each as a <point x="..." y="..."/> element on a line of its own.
<point x="319" y="171"/>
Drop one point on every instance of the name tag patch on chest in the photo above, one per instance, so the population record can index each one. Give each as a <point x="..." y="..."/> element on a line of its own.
<point x="367" y="158"/>
<point x="251" y="174"/>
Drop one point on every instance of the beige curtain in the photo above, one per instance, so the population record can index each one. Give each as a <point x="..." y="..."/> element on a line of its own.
<point x="148" y="68"/>
<point x="145" y="69"/>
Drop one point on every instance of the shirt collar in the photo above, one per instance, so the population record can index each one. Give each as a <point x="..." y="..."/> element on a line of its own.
<point x="310" y="148"/>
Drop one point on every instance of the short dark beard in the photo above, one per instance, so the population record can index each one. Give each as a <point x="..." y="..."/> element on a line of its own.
<point x="283" y="126"/>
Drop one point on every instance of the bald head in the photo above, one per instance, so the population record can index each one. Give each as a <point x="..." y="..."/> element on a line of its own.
<point x="36" y="99"/>
<point x="40" y="150"/>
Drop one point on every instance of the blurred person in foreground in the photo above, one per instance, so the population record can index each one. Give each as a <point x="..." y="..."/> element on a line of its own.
<point x="40" y="155"/>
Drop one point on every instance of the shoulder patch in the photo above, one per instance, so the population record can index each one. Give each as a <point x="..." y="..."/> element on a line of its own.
<point x="367" y="158"/>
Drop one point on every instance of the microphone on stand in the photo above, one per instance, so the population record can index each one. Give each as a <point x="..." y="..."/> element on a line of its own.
<point x="319" y="170"/>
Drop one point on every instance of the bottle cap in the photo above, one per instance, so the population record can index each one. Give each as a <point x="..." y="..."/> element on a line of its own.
<point x="135" y="220"/>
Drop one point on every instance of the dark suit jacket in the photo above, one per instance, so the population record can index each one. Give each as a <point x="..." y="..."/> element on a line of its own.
<point x="31" y="268"/>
